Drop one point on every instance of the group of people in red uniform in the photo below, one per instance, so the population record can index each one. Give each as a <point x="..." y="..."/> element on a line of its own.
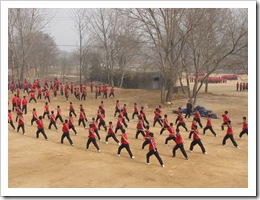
<point x="241" y="86"/>
<point x="142" y="127"/>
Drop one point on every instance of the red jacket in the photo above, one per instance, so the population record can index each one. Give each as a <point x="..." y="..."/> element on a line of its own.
<point x="225" y="118"/>
<point x="65" y="128"/>
<point x="46" y="108"/>
<point x="179" y="139"/>
<point x="24" y="101"/>
<point x="209" y="122"/>
<point x="18" y="101"/>
<point x="171" y="131"/>
<point x="229" y="129"/>
<point x="197" y="115"/>
<point x="40" y="124"/>
<point x="91" y="133"/>
<point x="110" y="130"/>
<point x="124" y="139"/>
<point x="245" y="125"/>
<point x="71" y="121"/>
<point x="152" y="144"/>
<point x="165" y="122"/>
<point x="140" y="124"/>
<point x="20" y="120"/>
<point x="10" y="118"/>
<point x="196" y="135"/>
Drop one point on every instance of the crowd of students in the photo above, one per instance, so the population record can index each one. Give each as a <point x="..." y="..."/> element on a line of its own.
<point x="20" y="106"/>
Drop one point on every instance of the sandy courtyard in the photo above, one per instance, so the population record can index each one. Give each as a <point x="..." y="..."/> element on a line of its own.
<point x="36" y="163"/>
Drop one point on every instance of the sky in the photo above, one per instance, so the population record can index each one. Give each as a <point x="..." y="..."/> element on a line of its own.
<point x="62" y="29"/>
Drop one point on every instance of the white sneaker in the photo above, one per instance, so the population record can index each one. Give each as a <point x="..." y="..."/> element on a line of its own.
<point x="191" y="151"/>
<point x="148" y="163"/>
<point x="24" y="134"/>
<point x="133" y="157"/>
<point x="165" y="145"/>
<point x="72" y="144"/>
<point x="205" y="153"/>
<point x="237" y="147"/>
<point x="163" y="165"/>
<point x="99" y="151"/>
<point x="106" y="142"/>
<point x="118" y="155"/>
<point x="119" y="143"/>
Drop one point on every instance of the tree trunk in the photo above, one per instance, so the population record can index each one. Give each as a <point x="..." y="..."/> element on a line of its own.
<point x="206" y="86"/>
<point x="170" y="91"/>
<point x="163" y="91"/>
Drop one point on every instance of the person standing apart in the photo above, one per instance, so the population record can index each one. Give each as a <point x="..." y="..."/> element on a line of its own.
<point x="197" y="140"/>
<point x="188" y="109"/>
<point x="124" y="144"/>
<point x="179" y="145"/>
<point x="66" y="133"/>
<point x="91" y="86"/>
<point x="229" y="135"/>
<point x="92" y="139"/>
<point x="40" y="128"/>
<point x="244" y="128"/>
<point x="111" y="133"/>
<point x="153" y="151"/>
<point x="209" y="126"/>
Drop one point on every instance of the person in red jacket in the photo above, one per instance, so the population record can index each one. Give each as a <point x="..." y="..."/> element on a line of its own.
<point x="32" y="96"/>
<point x="139" y="127"/>
<point x="24" y="103"/>
<point x="244" y="128"/>
<point x="47" y="95"/>
<point x="66" y="132"/>
<point x="209" y="126"/>
<point x="197" y="140"/>
<point x="111" y="133"/>
<point x="10" y="119"/>
<point x="193" y="123"/>
<point x="46" y="111"/>
<point x="125" y="112"/>
<point x="105" y="92"/>
<point x="66" y="91"/>
<point x="61" y="89"/>
<point x="225" y="119"/>
<point x="179" y="112"/>
<point x="117" y="108"/>
<point x="82" y="117"/>
<point x="71" y="124"/>
<point x="18" y="112"/>
<point x="102" y="122"/>
<point x="84" y="93"/>
<point x="197" y="117"/>
<point x="153" y="151"/>
<point x="147" y="137"/>
<point x="142" y="112"/>
<point x="92" y="138"/>
<point x="179" y="144"/>
<point x="95" y="128"/>
<point x="157" y="117"/>
<point x="91" y="86"/>
<point x="229" y="135"/>
<point x="182" y="123"/>
<point x="34" y="116"/>
<point x="136" y="112"/>
<point x="52" y="120"/>
<point x="165" y="124"/>
<point x="40" y="128"/>
<point x="18" y="102"/>
<point x="39" y="93"/>
<point x="112" y="92"/>
<point x="72" y="110"/>
<point x="124" y="144"/>
<point x="58" y="115"/>
<point x="21" y="123"/>
<point x="14" y="101"/>
<point x="172" y="134"/>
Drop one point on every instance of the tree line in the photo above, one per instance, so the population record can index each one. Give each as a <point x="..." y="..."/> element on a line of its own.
<point x="176" y="42"/>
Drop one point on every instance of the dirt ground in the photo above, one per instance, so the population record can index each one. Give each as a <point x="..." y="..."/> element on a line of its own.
<point x="36" y="163"/>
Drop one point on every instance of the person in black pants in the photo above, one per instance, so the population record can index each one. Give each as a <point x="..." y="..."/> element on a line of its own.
<point x="189" y="109"/>
<point x="244" y="128"/>
<point x="153" y="151"/>
<point x="197" y="140"/>
<point x="179" y="144"/>
<point x="124" y="144"/>
<point x="66" y="133"/>
<point x="92" y="139"/>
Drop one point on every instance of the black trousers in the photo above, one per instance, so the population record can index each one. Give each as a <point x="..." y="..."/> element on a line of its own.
<point x="177" y="146"/>
<point x="24" y="108"/>
<point x="59" y="117"/>
<point x="116" y="111"/>
<point x="111" y="94"/>
<point x="46" y="113"/>
<point x="14" y="105"/>
<point x="188" y="112"/>
<point x="73" y="128"/>
<point x="133" y="115"/>
<point x="197" y="141"/>
<point x="231" y="138"/>
<point x="119" y="128"/>
<point x="222" y="126"/>
<point x="127" y="148"/>
<point x="47" y="98"/>
<point x="12" y="124"/>
<point x="41" y="130"/>
<point x="199" y="122"/>
<point x="52" y="123"/>
<point x="32" y="99"/>
<point x="126" y="116"/>
<point x="39" y="96"/>
<point x="183" y="125"/>
<point x="83" y="122"/>
<point x="138" y="132"/>
<point x="92" y="140"/>
<point x="157" y="120"/>
<point x="191" y="134"/>
<point x="145" y="119"/>
<point x="67" y="135"/>
<point x="96" y="131"/>
<point x="154" y="152"/>
<point x="124" y="123"/>
<point x="146" y="142"/>
<point x="163" y="129"/>
<point x="83" y="96"/>
<point x="20" y="126"/>
<point x="33" y="119"/>
<point x="113" y="136"/>
<point x="102" y="123"/>
<point x="170" y="138"/>
<point x="210" y="128"/>
<point x="73" y="112"/>
<point x="177" y="119"/>
<point x="244" y="131"/>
